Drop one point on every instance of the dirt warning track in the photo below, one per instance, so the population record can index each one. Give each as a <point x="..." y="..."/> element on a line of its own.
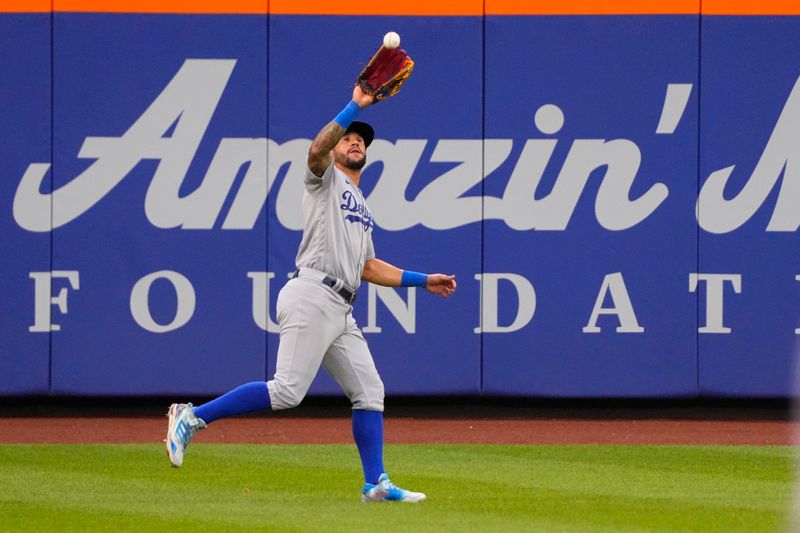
<point x="284" y="430"/>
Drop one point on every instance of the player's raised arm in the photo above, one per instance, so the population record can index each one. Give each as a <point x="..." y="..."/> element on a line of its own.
<point x="319" y="154"/>
<point x="383" y="76"/>
<point x="382" y="273"/>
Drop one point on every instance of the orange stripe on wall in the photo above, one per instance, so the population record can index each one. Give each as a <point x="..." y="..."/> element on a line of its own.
<point x="223" y="7"/>
<point x="25" y="6"/>
<point x="739" y="7"/>
<point x="379" y="7"/>
<point x="592" y="7"/>
<point x="411" y="7"/>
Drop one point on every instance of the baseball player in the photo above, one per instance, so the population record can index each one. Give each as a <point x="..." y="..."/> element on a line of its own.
<point x="314" y="308"/>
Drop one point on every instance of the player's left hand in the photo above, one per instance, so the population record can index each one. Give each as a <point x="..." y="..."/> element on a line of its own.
<point x="441" y="284"/>
<point x="361" y="98"/>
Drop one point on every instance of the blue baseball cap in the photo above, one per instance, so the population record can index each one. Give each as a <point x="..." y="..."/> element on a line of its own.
<point x="363" y="129"/>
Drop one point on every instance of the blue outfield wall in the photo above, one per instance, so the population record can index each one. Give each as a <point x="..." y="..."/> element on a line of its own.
<point x="750" y="202"/>
<point x="574" y="172"/>
<point x="592" y="194"/>
<point x="186" y="93"/>
<point x="24" y="138"/>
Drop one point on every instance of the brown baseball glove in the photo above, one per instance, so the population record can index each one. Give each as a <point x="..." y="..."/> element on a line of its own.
<point x="386" y="72"/>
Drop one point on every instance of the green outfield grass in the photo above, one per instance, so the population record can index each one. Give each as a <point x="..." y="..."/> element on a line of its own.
<point x="470" y="488"/>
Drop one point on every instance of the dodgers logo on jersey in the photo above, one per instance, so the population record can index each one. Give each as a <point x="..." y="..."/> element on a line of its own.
<point x="359" y="212"/>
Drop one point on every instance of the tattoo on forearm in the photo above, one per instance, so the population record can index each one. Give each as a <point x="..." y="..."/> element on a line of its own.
<point x="326" y="139"/>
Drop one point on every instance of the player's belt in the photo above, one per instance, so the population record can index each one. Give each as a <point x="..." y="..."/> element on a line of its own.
<point x="337" y="285"/>
<point x="348" y="295"/>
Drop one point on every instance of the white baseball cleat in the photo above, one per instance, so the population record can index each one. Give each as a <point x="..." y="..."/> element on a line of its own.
<point x="181" y="429"/>
<point x="386" y="491"/>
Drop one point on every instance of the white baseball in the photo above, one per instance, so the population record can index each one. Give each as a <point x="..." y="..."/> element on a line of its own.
<point x="391" y="40"/>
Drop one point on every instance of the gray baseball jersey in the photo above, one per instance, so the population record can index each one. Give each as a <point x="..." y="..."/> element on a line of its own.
<point x="316" y="323"/>
<point x="337" y="227"/>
